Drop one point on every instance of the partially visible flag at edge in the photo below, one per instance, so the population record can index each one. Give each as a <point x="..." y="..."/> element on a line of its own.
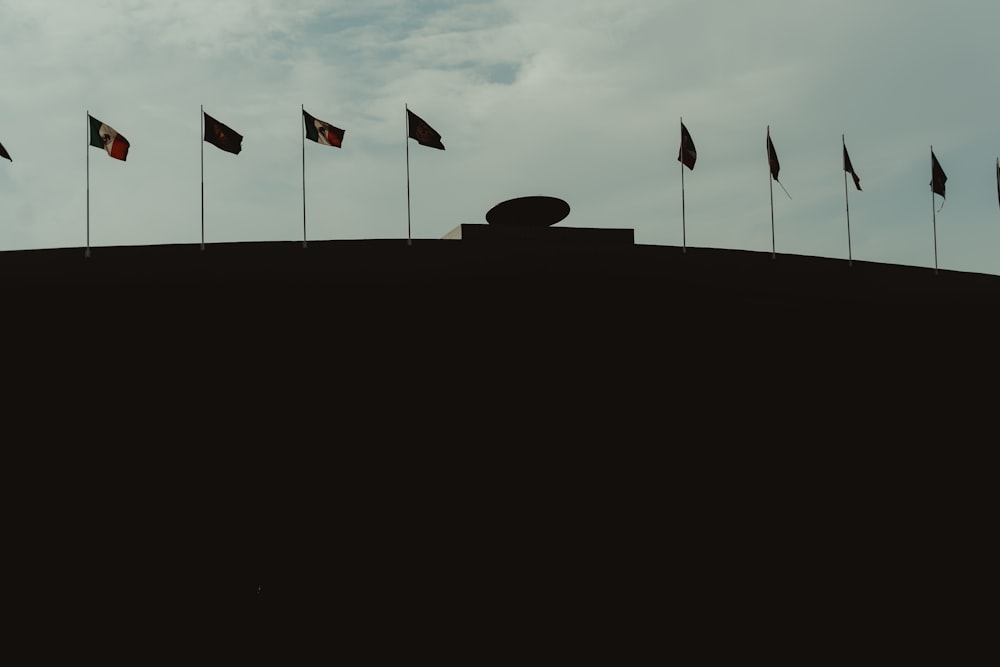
<point x="322" y="132"/>
<point x="849" y="168"/>
<point x="938" y="178"/>
<point x="772" y="156"/>
<point x="687" y="153"/>
<point x="104" y="136"/>
<point x="222" y="136"/>
<point x="4" y="153"/>
<point x="422" y="132"/>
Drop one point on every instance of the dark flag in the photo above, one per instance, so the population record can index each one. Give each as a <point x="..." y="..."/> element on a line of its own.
<point x="104" y="136"/>
<point x="687" y="153"/>
<point x="4" y="153"/>
<point x="772" y="157"/>
<point x="422" y="132"/>
<point x="850" y="169"/>
<point x="938" y="178"/>
<point x="322" y="132"/>
<point x="222" y="136"/>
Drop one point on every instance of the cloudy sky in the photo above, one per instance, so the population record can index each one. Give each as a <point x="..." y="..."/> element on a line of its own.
<point x="578" y="99"/>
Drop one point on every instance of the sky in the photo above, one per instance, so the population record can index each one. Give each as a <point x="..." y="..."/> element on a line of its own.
<point x="576" y="99"/>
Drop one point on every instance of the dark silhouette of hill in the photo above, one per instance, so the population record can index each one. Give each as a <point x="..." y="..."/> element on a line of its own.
<point x="553" y="435"/>
<point x="467" y="303"/>
<point x="502" y="333"/>
<point x="440" y="270"/>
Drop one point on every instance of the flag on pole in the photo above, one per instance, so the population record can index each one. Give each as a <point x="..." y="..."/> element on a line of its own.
<point x="772" y="157"/>
<point x="938" y="178"/>
<point x="422" y="132"/>
<point x="222" y="136"/>
<point x="322" y="132"/>
<point x="4" y="153"/>
<point x="104" y="136"/>
<point x="687" y="153"/>
<point x="849" y="168"/>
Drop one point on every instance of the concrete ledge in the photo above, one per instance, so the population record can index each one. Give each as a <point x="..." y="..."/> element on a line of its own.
<point x="526" y="233"/>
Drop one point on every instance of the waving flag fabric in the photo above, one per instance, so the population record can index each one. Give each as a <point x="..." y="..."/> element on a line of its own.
<point x="422" y="132"/>
<point x="222" y="136"/>
<point x="104" y="136"/>
<point x="849" y="168"/>
<point x="4" y="153"/>
<point x="772" y="157"/>
<point x="687" y="153"/>
<point x="938" y="178"/>
<point x="322" y="132"/>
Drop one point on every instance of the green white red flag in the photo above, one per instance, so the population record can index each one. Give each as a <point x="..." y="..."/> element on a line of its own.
<point x="322" y="132"/>
<point x="104" y="136"/>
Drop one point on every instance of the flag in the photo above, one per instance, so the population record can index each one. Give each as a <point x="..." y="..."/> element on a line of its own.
<point x="422" y="132"/>
<point x="687" y="154"/>
<point x="772" y="157"/>
<point x="850" y="169"/>
<point x="222" y="136"/>
<point x="321" y="132"/>
<point x="998" y="180"/>
<point x="938" y="178"/>
<point x="105" y="136"/>
<point x="4" y="153"/>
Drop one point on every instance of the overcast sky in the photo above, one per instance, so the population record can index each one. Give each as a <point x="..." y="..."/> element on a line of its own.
<point x="578" y="99"/>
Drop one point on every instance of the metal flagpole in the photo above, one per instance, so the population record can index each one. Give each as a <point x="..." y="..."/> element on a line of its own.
<point x="201" y="123"/>
<point x="770" y="182"/>
<point x="409" y="238"/>
<point x="847" y="204"/>
<point x="683" y="221"/>
<point x="302" y="121"/>
<point x="933" y="212"/>
<point x="87" y="251"/>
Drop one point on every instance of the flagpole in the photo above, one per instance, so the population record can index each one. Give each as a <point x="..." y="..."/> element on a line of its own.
<point x="302" y="121"/>
<point x="201" y="124"/>
<point x="770" y="182"/>
<point x="933" y="212"/>
<point x="847" y="205"/>
<point x="409" y="238"/>
<point x="683" y="221"/>
<point x="86" y="252"/>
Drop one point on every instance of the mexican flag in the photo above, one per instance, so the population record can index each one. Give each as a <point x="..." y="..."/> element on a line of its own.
<point x="322" y="132"/>
<point x="105" y="136"/>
